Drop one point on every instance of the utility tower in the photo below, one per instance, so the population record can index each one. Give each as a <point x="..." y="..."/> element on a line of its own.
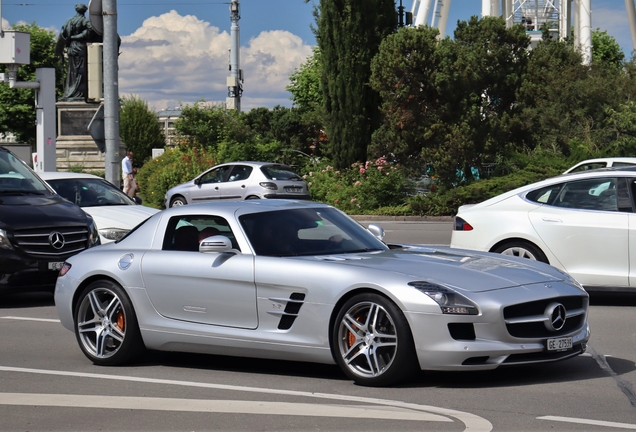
<point x="235" y="80"/>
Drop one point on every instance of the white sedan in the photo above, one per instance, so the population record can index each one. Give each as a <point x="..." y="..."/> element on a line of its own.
<point x="113" y="211"/>
<point x="583" y="223"/>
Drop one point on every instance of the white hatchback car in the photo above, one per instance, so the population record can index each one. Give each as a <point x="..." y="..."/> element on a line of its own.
<point x="583" y="223"/>
<point x="113" y="211"/>
<point x="591" y="164"/>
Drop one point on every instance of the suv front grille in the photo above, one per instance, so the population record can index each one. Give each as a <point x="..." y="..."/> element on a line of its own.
<point x="526" y="320"/>
<point x="36" y="242"/>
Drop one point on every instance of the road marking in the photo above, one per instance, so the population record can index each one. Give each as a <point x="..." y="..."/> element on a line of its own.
<point x="473" y="423"/>
<point x="588" y="422"/>
<point x="31" y="319"/>
<point x="218" y="406"/>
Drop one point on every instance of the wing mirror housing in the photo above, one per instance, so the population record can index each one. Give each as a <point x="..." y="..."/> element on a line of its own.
<point x="217" y="244"/>
<point x="377" y="231"/>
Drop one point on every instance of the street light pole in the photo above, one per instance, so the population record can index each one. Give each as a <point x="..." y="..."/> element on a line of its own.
<point x="111" y="92"/>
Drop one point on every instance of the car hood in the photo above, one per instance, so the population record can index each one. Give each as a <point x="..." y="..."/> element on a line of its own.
<point x="26" y="211"/>
<point x="121" y="216"/>
<point x="456" y="268"/>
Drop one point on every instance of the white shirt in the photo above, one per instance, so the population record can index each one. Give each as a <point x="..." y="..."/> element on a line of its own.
<point x="126" y="166"/>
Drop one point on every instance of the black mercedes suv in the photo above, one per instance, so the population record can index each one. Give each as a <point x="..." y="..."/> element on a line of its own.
<point x="38" y="228"/>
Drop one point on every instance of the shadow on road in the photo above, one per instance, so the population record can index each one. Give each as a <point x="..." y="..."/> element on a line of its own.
<point x="613" y="299"/>
<point x="26" y="300"/>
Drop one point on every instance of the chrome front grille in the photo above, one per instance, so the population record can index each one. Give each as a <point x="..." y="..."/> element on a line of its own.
<point x="528" y="320"/>
<point x="51" y="242"/>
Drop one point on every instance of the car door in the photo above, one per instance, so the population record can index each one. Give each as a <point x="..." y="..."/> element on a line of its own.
<point x="205" y="288"/>
<point x="237" y="181"/>
<point x="584" y="227"/>
<point x="208" y="186"/>
<point x="631" y="186"/>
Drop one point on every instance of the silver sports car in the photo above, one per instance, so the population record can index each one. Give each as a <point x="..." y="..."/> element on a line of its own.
<point x="302" y="281"/>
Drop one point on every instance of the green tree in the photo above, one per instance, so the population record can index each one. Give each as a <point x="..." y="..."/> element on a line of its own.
<point x="207" y="126"/>
<point x="139" y="129"/>
<point x="17" y="106"/>
<point x="606" y="50"/>
<point x="450" y="103"/>
<point x="349" y="33"/>
<point x="304" y="83"/>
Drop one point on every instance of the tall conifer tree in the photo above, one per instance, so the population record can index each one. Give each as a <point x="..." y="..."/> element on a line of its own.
<point x="349" y="33"/>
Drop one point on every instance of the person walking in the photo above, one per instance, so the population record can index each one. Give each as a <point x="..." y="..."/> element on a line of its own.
<point x="127" y="174"/>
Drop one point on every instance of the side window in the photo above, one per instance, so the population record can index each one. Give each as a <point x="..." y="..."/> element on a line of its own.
<point x="590" y="166"/>
<point x="590" y="194"/>
<point x="185" y="233"/>
<point x="546" y="195"/>
<point x="240" y="172"/>
<point x="217" y="175"/>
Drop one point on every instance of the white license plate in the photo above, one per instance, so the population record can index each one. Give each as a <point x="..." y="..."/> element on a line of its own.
<point x="560" y="344"/>
<point x="55" y="265"/>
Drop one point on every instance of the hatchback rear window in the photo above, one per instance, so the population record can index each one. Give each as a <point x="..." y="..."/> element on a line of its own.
<point x="279" y="172"/>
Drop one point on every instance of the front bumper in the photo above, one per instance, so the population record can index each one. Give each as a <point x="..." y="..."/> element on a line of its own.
<point x="18" y="273"/>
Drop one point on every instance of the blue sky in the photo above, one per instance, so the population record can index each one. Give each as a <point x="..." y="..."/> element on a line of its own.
<point x="175" y="52"/>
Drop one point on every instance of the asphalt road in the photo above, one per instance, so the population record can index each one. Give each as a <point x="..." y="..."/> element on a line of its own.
<point x="47" y="384"/>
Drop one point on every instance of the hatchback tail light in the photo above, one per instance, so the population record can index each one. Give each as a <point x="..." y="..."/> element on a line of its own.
<point x="461" y="225"/>
<point x="65" y="268"/>
<point x="269" y="185"/>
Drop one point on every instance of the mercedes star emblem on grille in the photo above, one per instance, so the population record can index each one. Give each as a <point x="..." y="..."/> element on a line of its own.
<point x="555" y="315"/>
<point x="57" y="240"/>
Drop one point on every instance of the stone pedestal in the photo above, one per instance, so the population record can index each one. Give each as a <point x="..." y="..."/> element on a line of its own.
<point x="75" y="147"/>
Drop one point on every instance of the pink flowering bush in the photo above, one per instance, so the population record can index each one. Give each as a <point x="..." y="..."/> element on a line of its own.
<point x="362" y="188"/>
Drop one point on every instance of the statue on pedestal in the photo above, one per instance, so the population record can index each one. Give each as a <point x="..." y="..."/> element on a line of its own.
<point x="75" y="33"/>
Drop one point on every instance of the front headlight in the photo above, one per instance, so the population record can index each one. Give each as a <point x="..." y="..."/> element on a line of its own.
<point x="4" y="240"/>
<point x="93" y="233"/>
<point x="450" y="301"/>
<point x="113" y="233"/>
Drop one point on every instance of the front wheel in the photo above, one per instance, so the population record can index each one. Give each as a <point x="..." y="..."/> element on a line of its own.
<point x="178" y="201"/>
<point x="372" y="341"/>
<point x="106" y="326"/>
<point x="522" y="249"/>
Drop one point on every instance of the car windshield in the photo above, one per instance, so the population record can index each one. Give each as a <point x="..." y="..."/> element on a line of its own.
<point x="279" y="172"/>
<point x="308" y="231"/>
<point x="17" y="178"/>
<point x="90" y="192"/>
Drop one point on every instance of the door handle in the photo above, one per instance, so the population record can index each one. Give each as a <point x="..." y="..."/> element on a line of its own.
<point x="549" y="219"/>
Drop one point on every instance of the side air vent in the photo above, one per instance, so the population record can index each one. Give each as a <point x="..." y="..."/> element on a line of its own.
<point x="291" y="311"/>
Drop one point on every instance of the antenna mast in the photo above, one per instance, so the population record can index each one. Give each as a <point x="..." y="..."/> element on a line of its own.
<point x="235" y="80"/>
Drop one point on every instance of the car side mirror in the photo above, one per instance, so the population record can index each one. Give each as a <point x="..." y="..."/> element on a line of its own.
<point x="217" y="244"/>
<point x="377" y="231"/>
<point x="197" y="181"/>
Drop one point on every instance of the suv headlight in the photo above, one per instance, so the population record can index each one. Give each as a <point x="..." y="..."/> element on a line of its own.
<point x="4" y="240"/>
<point x="450" y="301"/>
<point x="93" y="233"/>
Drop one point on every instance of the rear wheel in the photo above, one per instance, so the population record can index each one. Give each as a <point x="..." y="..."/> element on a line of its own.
<point x="372" y="341"/>
<point x="178" y="201"/>
<point x="251" y="197"/>
<point x="521" y="249"/>
<point x="106" y="326"/>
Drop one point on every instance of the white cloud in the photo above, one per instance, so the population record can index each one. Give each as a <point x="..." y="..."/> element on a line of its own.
<point x="174" y="59"/>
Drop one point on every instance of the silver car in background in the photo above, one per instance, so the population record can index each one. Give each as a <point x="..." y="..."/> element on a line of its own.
<point x="301" y="281"/>
<point x="240" y="181"/>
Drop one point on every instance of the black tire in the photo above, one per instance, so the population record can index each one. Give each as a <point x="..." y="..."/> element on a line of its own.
<point x="106" y="326"/>
<point x="251" y="197"/>
<point x="372" y="341"/>
<point x="521" y="249"/>
<point x="178" y="201"/>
